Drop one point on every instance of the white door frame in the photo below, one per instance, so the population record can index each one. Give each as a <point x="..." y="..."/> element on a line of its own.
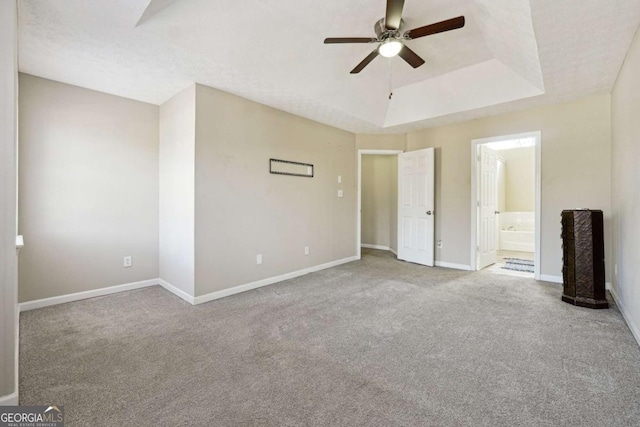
<point x="474" y="194"/>
<point x="359" y="210"/>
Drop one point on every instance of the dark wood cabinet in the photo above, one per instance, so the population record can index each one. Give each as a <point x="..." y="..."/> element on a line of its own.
<point x="583" y="258"/>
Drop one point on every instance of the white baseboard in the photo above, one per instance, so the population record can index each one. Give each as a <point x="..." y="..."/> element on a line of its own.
<point x="379" y="247"/>
<point x="46" y="302"/>
<point x="10" y="400"/>
<point x="551" y="278"/>
<point x="265" y="282"/>
<point x="176" y="291"/>
<point x="635" y="330"/>
<point x="453" y="265"/>
<point x="393" y="251"/>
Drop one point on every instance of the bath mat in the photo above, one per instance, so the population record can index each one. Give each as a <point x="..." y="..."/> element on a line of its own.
<point x="517" y="264"/>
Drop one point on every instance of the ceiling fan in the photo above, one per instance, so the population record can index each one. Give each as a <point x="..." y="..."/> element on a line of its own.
<point x="391" y="40"/>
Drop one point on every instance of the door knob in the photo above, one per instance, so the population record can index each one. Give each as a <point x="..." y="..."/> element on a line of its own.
<point x="497" y="212"/>
<point x="429" y="212"/>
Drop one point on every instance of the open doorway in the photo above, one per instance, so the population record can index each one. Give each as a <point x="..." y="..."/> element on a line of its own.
<point x="505" y="204"/>
<point x="377" y="219"/>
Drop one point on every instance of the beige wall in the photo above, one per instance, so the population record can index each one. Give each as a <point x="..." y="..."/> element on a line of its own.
<point x="242" y="210"/>
<point x="8" y="153"/>
<point x="380" y="200"/>
<point x="625" y="190"/>
<point x="520" y="179"/>
<point x="88" y="189"/>
<point x="381" y="141"/>
<point x="576" y="143"/>
<point x="177" y="190"/>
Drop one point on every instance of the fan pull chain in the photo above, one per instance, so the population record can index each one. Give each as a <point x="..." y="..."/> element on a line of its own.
<point x="390" y="80"/>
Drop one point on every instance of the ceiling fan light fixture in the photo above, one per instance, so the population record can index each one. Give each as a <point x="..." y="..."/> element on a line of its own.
<point x="390" y="48"/>
<point x="390" y="36"/>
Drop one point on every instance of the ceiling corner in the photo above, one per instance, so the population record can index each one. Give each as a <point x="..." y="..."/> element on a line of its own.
<point x="152" y="8"/>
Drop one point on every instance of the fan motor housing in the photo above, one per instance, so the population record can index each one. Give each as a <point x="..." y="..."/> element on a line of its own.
<point x="383" y="33"/>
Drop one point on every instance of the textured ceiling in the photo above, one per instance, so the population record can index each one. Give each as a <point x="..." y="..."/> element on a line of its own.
<point x="271" y="51"/>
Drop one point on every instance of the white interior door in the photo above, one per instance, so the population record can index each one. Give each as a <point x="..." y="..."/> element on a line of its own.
<point x="416" y="206"/>
<point x="487" y="207"/>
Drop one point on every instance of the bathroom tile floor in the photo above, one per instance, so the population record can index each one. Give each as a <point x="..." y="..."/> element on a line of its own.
<point x="497" y="267"/>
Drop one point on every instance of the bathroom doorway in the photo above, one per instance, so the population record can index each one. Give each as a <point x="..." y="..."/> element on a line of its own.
<point x="506" y="204"/>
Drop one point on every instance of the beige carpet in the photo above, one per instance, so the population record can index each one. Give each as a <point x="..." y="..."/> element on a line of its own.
<point x="371" y="343"/>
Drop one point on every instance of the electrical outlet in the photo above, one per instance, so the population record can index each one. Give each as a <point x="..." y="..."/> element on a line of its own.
<point x="128" y="261"/>
<point x="258" y="259"/>
<point x="439" y="244"/>
<point x="340" y="193"/>
<point x="306" y="250"/>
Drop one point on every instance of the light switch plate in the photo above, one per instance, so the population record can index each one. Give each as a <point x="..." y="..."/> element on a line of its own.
<point x="258" y="259"/>
<point x="339" y="179"/>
